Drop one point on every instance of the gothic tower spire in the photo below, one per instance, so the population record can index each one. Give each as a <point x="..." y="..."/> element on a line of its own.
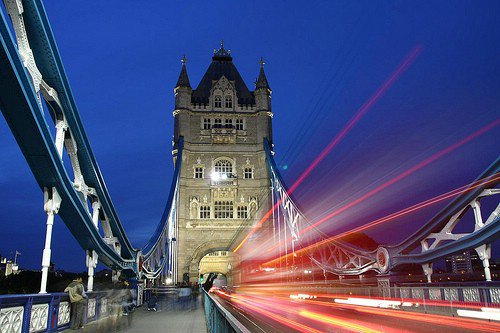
<point x="183" y="80"/>
<point x="183" y="90"/>
<point x="262" y="90"/>
<point x="261" y="82"/>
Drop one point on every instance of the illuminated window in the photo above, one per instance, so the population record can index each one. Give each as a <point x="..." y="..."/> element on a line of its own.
<point x="207" y="124"/>
<point x="218" y="102"/>
<point x="248" y="173"/>
<point x="224" y="169"/>
<point x="223" y="209"/>
<point x="204" y="212"/>
<point x="198" y="172"/>
<point x="229" y="102"/>
<point x="242" y="212"/>
<point x="239" y="124"/>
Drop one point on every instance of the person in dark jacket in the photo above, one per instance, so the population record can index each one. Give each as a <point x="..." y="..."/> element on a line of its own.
<point x="210" y="282"/>
<point x="78" y="302"/>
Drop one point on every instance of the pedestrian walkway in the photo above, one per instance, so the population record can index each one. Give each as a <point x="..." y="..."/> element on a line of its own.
<point x="188" y="321"/>
<point x="170" y="318"/>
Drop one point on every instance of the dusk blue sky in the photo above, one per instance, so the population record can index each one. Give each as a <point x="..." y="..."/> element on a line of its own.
<point x="324" y="59"/>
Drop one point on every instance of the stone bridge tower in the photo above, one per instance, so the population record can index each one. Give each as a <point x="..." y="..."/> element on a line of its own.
<point x="224" y="185"/>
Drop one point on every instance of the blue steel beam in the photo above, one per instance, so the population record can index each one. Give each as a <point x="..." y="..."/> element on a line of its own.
<point x="273" y="168"/>
<point x="485" y="235"/>
<point x="163" y="226"/>
<point x="19" y="105"/>
<point x="402" y="253"/>
<point x="438" y="222"/>
<point x="49" y="63"/>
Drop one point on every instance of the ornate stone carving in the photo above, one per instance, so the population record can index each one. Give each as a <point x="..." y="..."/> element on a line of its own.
<point x="384" y="287"/>
<point x="404" y="292"/>
<point x="91" y="308"/>
<point x="223" y="136"/>
<point x="193" y="207"/>
<point x="39" y="317"/>
<point x="471" y="295"/>
<point x="224" y="193"/>
<point x="417" y="293"/>
<point x="63" y="317"/>
<point x="224" y="86"/>
<point x="495" y="295"/>
<point x="435" y="293"/>
<point x="104" y="307"/>
<point x="451" y="294"/>
<point x="11" y="319"/>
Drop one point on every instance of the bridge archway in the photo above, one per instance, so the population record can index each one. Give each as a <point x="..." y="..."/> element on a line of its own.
<point x="212" y="257"/>
<point x="222" y="263"/>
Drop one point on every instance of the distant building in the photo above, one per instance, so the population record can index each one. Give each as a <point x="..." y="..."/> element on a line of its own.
<point x="463" y="263"/>
<point x="11" y="268"/>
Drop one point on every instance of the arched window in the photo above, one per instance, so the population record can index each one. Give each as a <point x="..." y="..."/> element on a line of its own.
<point x="223" y="169"/>
<point x="204" y="212"/>
<point x="248" y="173"/>
<point x="218" y="102"/>
<point x="229" y="102"/>
<point x="223" y="210"/>
<point x="242" y="212"/>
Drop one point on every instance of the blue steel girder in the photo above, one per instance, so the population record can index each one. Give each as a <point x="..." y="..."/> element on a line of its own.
<point x="345" y="259"/>
<point x="341" y="259"/>
<point x="332" y="255"/>
<point x="22" y="112"/>
<point x="436" y="240"/>
<point x="439" y="221"/>
<point x="49" y="63"/>
<point x="157" y="252"/>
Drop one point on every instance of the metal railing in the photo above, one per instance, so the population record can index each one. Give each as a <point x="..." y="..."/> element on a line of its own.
<point x="437" y="299"/>
<point x="47" y="312"/>
<point x="220" y="320"/>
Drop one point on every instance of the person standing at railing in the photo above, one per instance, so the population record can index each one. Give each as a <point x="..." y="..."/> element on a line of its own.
<point x="184" y="295"/>
<point x="77" y="298"/>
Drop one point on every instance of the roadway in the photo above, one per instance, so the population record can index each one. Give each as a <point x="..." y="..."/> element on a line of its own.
<point x="261" y="313"/>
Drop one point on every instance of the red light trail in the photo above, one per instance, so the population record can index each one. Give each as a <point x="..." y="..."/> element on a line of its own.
<point x="359" y="114"/>
<point x="408" y="60"/>
<point x="276" y="306"/>
<point x="405" y="174"/>
<point x="466" y="188"/>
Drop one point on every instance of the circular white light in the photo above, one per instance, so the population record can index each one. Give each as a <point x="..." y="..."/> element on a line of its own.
<point x="215" y="176"/>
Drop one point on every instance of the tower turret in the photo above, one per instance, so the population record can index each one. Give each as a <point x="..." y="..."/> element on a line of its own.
<point x="183" y="89"/>
<point x="262" y="90"/>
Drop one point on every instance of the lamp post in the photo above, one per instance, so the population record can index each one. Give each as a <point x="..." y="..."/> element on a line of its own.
<point x="229" y="274"/>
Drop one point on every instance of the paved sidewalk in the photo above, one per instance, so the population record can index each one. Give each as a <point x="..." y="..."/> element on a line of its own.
<point x="176" y="321"/>
<point x="168" y="319"/>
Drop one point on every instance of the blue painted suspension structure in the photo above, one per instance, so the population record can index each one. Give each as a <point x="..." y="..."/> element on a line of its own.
<point x="32" y="76"/>
<point x="434" y="241"/>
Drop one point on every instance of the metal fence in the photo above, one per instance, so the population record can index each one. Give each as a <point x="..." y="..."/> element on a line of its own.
<point x="444" y="299"/>
<point x="219" y="320"/>
<point x="46" y="312"/>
